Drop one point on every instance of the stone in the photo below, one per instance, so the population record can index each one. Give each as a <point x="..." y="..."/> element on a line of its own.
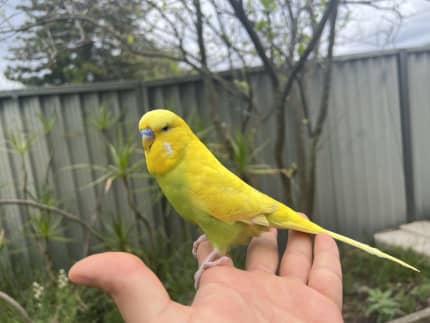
<point x="404" y="239"/>
<point x="418" y="227"/>
<point x="422" y="316"/>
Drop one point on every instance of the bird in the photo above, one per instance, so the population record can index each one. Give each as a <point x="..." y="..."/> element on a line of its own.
<point x="203" y="191"/>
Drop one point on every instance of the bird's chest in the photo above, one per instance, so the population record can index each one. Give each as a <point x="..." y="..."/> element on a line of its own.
<point x="176" y="187"/>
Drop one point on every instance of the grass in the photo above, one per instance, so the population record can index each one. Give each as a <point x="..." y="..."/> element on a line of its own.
<point x="48" y="299"/>
<point x="376" y="290"/>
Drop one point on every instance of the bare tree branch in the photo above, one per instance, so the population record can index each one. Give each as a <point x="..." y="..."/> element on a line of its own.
<point x="13" y="303"/>
<point x="280" y="99"/>
<point x="67" y="215"/>
<point x="327" y="78"/>
<point x="309" y="48"/>
<point x="268" y="64"/>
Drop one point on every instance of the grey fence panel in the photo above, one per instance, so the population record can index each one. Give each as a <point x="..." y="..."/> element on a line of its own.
<point x="325" y="196"/>
<point x="360" y="177"/>
<point x="39" y="155"/>
<point x="98" y="156"/>
<point x="79" y="153"/>
<point x="419" y="80"/>
<point x="111" y="101"/>
<point x="139" y="188"/>
<point x="24" y="181"/>
<point x="13" y="216"/>
<point x="265" y="137"/>
<point x="360" y="187"/>
<point x="65" y="182"/>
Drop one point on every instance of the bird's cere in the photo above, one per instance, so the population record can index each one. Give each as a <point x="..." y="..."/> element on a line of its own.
<point x="168" y="148"/>
<point x="147" y="134"/>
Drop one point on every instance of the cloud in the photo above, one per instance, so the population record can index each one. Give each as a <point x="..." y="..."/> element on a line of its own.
<point x="372" y="29"/>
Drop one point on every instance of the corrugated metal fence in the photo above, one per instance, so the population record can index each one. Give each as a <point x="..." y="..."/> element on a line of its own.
<point x="373" y="167"/>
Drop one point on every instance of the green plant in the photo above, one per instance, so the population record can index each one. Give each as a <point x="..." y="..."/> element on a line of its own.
<point x="117" y="235"/>
<point x="422" y="291"/>
<point x="43" y="226"/>
<point x="19" y="142"/>
<point x="104" y="119"/>
<point x="47" y="123"/>
<point x="53" y="300"/>
<point x="383" y="304"/>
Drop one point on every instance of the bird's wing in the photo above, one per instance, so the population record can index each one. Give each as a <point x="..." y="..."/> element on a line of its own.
<point x="225" y="196"/>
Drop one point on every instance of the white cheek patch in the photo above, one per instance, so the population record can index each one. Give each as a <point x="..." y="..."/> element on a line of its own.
<point x="168" y="148"/>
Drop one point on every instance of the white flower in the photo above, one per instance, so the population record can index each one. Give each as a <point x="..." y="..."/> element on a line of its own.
<point x="37" y="291"/>
<point x="62" y="280"/>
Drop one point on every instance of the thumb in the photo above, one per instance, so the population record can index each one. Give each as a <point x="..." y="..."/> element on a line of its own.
<point x="135" y="289"/>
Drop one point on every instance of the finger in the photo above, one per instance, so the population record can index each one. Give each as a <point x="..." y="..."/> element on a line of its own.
<point x="297" y="259"/>
<point x="203" y="251"/>
<point x="326" y="273"/>
<point x="262" y="254"/>
<point x="135" y="289"/>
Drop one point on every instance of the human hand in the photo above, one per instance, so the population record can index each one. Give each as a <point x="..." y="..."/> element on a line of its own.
<point x="307" y="289"/>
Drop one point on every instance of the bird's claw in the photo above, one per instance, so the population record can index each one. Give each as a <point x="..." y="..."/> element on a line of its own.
<point x="209" y="262"/>
<point x="197" y="243"/>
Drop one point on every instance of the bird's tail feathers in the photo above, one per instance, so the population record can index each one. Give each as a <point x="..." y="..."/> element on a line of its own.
<point x="302" y="224"/>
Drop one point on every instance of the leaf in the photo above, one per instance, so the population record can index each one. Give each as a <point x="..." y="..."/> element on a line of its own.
<point x="301" y="49"/>
<point x="47" y="123"/>
<point x="242" y="85"/>
<point x="269" y="5"/>
<point x="130" y="39"/>
<point x="108" y="184"/>
<point x="261" y="25"/>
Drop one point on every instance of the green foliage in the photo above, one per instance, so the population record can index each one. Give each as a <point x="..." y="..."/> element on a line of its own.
<point x="242" y="152"/>
<point x="123" y="159"/>
<point x="175" y="268"/>
<point x="54" y="299"/>
<point x="19" y="142"/>
<point x="422" y="291"/>
<point x="383" y="304"/>
<point x="245" y="153"/>
<point x="372" y="286"/>
<point x="43" y="224"/>
<point x="123" y="164"/>
<point x="104" y="119"/>
<point x="43" y="53"/>
<point x="117" y="235"/>
<point x="269" y="5"/>
<point x="47" y="123"/>
<point x="242" y="86"/>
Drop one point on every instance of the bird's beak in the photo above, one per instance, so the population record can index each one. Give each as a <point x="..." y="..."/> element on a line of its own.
<point x="147" y="137"/>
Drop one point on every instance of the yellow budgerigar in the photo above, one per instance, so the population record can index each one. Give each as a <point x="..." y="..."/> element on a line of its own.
<point x="203" y="191"/>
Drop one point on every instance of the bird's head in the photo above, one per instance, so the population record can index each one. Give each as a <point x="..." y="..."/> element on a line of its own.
<point x="165" y="136"/>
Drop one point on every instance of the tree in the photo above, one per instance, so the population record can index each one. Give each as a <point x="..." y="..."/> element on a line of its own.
<point x="286" y="38"/>
<point x="282" y="36"/>
<point x="58" y="51"/>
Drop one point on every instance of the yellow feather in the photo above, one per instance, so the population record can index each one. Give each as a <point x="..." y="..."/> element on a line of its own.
<point x="203" y="191"/>
<point x="290" y="219"/>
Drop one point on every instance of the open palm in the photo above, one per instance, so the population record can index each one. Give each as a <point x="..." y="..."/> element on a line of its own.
<point x="308" y="287"/>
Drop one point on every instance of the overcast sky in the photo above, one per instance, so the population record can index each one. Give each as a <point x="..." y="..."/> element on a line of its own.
<point x="362" y="34"/>
<point x="372" y="29"/>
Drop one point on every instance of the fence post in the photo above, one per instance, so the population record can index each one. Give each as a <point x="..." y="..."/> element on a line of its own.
<point x="406" y="131"/>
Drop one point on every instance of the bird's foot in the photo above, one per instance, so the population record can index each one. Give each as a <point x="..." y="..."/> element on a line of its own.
<point x="197" y="243"/>
<point x="209" y="262"/>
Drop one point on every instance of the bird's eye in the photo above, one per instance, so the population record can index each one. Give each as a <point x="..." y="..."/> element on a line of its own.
<point x="165" y="128"/>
